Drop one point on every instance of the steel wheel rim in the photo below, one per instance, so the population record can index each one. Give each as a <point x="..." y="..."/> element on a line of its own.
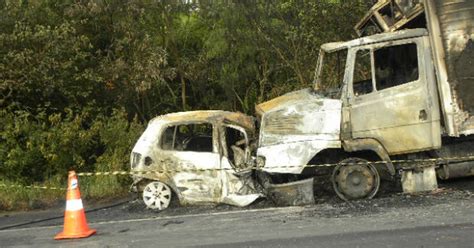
<point x="360" y="167"/>
<point x="157" y="195"/>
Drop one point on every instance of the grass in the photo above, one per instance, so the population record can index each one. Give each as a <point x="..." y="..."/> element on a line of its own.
<point x="97" y="188"/>
<point x="21" y="198"/>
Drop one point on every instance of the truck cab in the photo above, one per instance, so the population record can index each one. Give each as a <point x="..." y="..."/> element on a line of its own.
<point x="374" y="96"/>
<point x="389" y="93"/>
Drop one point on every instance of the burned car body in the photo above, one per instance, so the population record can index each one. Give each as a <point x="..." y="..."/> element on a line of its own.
<point x="198" y="156"/>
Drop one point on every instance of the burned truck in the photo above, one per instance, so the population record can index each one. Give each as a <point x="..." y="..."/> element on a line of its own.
<point x="402" y="91"/>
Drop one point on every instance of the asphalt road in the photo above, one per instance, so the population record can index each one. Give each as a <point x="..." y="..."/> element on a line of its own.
<point x="444" y="219"/>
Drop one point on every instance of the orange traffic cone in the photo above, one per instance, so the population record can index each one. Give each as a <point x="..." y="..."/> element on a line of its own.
<point x="75" y="223"/>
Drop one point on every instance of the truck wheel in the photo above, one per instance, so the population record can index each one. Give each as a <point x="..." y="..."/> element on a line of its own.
<point x="355" y="178"/>
<point x="157" y="195"/>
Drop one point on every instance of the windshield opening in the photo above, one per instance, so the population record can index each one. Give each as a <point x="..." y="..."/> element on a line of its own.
<point x="330" y="75"/>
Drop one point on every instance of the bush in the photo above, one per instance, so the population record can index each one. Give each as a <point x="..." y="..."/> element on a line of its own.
<point x="42" y="149"/>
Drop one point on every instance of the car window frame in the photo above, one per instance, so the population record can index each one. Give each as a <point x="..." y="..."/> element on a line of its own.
<point x="176" y="124"/>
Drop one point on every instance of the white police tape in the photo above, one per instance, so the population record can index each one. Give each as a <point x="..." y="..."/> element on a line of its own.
<point x="403" y="165"/>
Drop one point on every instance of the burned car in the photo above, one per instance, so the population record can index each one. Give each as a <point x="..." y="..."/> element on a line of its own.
<point x="198" y="157"/>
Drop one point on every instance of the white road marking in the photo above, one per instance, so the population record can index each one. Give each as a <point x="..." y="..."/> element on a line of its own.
<point x="279" y="209"/>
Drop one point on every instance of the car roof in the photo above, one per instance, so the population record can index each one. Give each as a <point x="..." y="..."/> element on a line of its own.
<point x="214" y="116"/>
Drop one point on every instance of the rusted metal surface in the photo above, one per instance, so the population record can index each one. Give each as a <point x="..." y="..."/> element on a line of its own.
<point x="197" y="176"/>
<point x="295" y="127"/>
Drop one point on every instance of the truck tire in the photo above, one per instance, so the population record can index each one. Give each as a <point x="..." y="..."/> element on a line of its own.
<point x="355" y="178"/>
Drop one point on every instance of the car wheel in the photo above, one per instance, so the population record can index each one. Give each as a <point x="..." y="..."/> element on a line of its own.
<point x="157" y="195"/>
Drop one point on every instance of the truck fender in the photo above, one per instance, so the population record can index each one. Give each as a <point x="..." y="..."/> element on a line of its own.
<point x="354" y="145"/>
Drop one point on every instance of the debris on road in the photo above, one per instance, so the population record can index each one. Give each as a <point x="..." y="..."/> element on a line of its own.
<point x="293" y="193"/>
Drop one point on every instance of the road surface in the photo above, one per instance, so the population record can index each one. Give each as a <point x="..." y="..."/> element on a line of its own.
<point x="443" y="219"/>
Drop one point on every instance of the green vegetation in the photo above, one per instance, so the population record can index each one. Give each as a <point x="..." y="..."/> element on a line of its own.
<point x="80" y="79"/>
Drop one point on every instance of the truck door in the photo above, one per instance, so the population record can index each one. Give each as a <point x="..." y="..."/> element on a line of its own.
<point x="389" y="97"/>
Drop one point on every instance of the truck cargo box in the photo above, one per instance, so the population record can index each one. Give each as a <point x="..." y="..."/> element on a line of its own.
<point x="450" y="23"/>
<point x="451" y="28"/>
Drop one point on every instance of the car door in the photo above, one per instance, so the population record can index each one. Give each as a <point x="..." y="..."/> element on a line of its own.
<point x="191" y="152"/>
<point x="237" y="182"/>
<point x="390" y="98"/>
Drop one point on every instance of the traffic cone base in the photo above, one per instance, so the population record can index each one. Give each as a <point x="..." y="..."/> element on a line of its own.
<point x="85" y="234"/>
<point x="75" y="223"/>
